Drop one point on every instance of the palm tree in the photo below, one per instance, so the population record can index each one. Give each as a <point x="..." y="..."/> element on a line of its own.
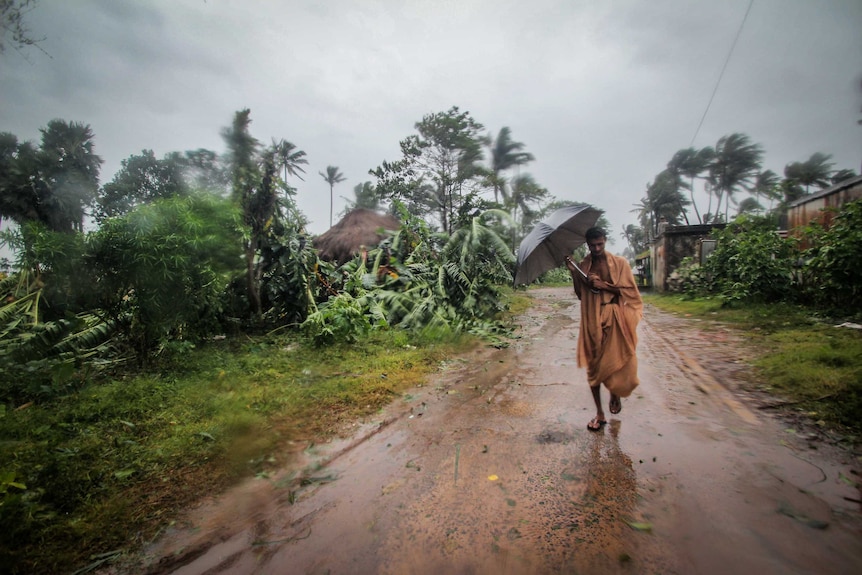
<point x="366" y="196"/>
<point x="816" y="170"/>
<point x="691" y="163"/>
<point x="248" y="193"/>
<point x="749" y="206"/>
<point x="289" y="158"/>
<point x="636" y="238"/>
<point x="766" y="185"/>
<point x="525" y="191"/>
<point x="332" y="177"/>
<point x="642" y="209"/>
<point x="842" y="175"/>
<point x="735" y="165"/>
<point x="665" y="200"/>
<point x="505" y="154"/>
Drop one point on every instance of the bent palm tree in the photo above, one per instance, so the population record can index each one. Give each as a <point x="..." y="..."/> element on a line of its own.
<point x="736" y="164"/>
<point x="506" y="154"/>
<point x="816" y="170"/>
<point x="691" y="163"/>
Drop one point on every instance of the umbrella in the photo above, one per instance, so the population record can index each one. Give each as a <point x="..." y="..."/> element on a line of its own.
<point x="552" y="239"/>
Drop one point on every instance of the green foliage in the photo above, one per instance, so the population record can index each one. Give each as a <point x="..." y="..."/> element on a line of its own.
<point x="142" y="179"/>
<point x="439" y="166"/>
<point x="750" y="262"/>
<point x="54" y="261"/>
<point x="288" y="281"/>
<point x="52" y="184"/>
<point x="341" y="319"/>
<point x="161" y="270"/>
<point x="407" y="283"/>
<point x="833" y="264"/>
<point x="108" y="467"/>
<point x="47" y="346"/>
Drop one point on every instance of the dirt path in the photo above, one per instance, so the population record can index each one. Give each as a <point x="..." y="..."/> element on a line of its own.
<point x="489" y="468"/>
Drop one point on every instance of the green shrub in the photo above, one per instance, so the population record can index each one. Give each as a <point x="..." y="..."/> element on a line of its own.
<point x="832" y="271"/>
<point x="751" y="262"/>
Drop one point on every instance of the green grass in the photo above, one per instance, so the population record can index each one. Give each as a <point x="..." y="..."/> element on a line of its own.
<point x="801" y="358"/>
<point x="105" y="468"/>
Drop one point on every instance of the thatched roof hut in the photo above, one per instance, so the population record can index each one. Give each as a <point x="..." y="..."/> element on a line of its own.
<point x="359" y="228"/>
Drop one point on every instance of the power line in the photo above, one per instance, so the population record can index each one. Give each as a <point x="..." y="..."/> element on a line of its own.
<point x="721" y="75"/>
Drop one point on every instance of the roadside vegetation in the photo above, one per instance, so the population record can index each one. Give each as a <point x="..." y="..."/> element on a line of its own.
<point x="110" y="464"/>
<point x="800" y="308"/>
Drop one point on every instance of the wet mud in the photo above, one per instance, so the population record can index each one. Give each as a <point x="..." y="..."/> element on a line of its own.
<point x="488" y="467"/>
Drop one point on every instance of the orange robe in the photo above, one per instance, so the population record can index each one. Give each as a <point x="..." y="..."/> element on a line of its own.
<point x="608" y="334"/>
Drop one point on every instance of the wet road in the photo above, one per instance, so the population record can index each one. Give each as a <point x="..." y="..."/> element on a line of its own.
<point x="489" y="468"/>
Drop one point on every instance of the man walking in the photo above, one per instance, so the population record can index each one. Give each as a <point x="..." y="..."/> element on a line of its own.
<point x="611" y="308"/>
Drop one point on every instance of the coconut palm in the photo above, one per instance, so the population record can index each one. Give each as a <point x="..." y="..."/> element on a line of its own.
<point x="734" y="167"/>
<point x="332" y="177"/>
<point x="505" y="154"/>
<point x="365" y="196"/>
<point x="289" y="158"/>
<point x="842" y="175"/>
<point x="665" y="199"/>
<point x="644" y="214"/>
<point x="815" y="171"/>
<point x="749" y="206"/>
<point x="766" y="185"/>
<point x="526" y="194"/>
<point x="691" y="163"/>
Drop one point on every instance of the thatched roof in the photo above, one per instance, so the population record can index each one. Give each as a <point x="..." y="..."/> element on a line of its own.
<point x="359" y="228"/>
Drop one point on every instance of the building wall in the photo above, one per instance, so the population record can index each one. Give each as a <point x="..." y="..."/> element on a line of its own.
<point x="673" y="245"/>
<point x="802" y="213"/>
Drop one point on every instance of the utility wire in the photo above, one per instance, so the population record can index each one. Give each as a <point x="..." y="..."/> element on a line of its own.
<point x="721" y="75"/>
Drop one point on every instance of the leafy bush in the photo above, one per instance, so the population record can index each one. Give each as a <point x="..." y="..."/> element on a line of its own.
<point x="288" y="284"/>
<point x="161" y="270"/>
<point x="39" y="358"/>
<point x="686" y="277"/>
<point x="751" y="262"/>
<point x="833" y="264"/>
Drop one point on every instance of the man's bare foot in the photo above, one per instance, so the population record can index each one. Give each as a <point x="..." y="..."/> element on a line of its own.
<point x="596" y="424"/>
<point x="616" y="405"/>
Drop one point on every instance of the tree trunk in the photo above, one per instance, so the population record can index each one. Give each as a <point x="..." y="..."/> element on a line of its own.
<point x="693" y="204"/>
<point x="250" y="281"/>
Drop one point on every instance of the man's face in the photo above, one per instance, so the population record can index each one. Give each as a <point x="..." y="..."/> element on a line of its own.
<point x="597" y="247"/>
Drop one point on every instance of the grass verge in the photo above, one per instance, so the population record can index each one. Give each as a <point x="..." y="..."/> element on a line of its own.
<point x="103" y="470"/>
<point x="810" y="363"/>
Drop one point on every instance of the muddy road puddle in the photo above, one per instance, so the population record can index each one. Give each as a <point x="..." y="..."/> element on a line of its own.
<point x="488" y="467"/>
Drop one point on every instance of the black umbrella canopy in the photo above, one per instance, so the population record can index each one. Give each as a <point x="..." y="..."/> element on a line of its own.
<point x="552" y="239"/>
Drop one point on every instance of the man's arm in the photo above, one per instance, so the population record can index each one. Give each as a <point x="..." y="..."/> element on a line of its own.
<point x="597" y="283"/>
<point x="577" y="278"/>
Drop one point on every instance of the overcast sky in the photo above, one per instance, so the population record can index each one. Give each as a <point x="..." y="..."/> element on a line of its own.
<point x="601" y="93"/>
